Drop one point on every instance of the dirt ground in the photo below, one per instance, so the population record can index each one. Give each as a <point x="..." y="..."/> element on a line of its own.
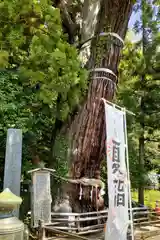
<point x="154" y="238"/>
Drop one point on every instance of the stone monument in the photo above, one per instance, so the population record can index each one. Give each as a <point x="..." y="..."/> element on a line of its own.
<point x="40" y="196"/>
<point x="13" y="162"/>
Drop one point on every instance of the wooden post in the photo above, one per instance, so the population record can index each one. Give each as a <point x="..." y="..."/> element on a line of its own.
<point x="41" y="231"/>
<point x="78" y="224"/>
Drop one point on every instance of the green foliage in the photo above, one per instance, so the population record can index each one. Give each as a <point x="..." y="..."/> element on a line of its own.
<point x="139" y="91"/>
<point x="150" y="197"/>
<point x="44" y="81"/>
<point x="129" y="95"/>
<point x="17" y="111"/>
<point x="32" y="39"/>
<point x="61" y="155"/>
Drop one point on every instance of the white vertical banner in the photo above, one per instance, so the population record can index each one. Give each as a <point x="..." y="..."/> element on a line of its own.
<point x="118" y="218"/>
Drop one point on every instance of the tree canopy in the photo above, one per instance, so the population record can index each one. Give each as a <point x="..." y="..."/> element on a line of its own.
<point x="44" y="81"/>
<point x="139" y="91"/>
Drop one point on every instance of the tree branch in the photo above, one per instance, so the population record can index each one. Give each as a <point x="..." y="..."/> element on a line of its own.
<point x="70" y="26"/>
<point x="151" y="140"/>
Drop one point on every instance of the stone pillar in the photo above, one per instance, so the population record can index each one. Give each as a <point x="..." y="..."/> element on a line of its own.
<point x="13" y="162"/>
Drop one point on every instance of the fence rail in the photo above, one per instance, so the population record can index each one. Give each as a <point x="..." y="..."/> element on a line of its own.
<point x="94" y="222"/>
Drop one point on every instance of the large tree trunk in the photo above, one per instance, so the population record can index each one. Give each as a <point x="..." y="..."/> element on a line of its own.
<point x="88" y="130"/>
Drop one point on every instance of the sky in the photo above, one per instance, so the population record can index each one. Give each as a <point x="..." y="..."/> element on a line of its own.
<point x="132" y="36"/>
<point x="134" y="17"/>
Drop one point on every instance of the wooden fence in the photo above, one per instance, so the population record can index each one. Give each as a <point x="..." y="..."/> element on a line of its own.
<point x="82" y="224"/>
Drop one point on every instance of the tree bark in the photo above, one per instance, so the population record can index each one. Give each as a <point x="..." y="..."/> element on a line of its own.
<point x="88" y="129"/>
<point x="142" y="106"/>
<point x="141" y="167"/>
<point x="142" y="145"/>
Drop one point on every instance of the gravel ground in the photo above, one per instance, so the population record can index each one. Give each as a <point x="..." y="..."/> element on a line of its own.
<point x="154" y="238"/>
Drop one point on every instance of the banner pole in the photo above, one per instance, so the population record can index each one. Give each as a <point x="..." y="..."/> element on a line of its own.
<point x="129" y="182"/>
<point x="115" y="105"/>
